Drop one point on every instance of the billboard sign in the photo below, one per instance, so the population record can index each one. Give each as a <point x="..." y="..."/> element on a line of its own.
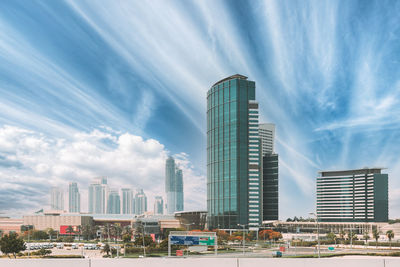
<point x="192" y="240"/>
<point x="63" y="229"/>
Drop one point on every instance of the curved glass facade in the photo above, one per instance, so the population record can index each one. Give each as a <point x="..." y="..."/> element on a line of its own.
<point x="228" y="151"/>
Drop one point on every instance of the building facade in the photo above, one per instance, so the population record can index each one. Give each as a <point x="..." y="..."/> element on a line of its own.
<point x="270" y="192"/>
<point x="127" y="201"/>
<point x="359" y="195"/>
<point x="98" y="196"/>
<point x="140" y="202"/>
<point x="173" y="186"/>
<point x="158" y="205"/>
<point x="233" y="154"/>
<point x="74" y="198"/>
<point x="270" y="173"/>
<point x="267" y="135"/>
<point x="57" y="198"/>
<point x="113" y="202"/>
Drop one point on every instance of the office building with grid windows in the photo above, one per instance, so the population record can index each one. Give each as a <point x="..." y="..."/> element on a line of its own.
<point x="352" y="196"/>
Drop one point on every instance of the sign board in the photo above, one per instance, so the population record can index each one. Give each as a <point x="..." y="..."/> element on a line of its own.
<point x="179" y="253"/>
<point x="282" y="249"/>
<point x="331" y="248"/>
<point x="63" y="229"/>
<point x="192" y="240"/>
<point x="253" y="228"/>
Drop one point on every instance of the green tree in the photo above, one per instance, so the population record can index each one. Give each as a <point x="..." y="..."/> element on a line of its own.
<point x="117" y="231"/>
<point x="342" y="235"/>
<point x="43" y="252"/>
<point x="390" y="235"/>
<point x="106" y="249"/>
<point x="126" y="238"/>
<point x="331" y="236"/>
<point x="87" y="232"/>
<point x="376" y="234"/>
<point x="147" y="241"/>
<point x="11" y="243"/>
<point x="39" y="235"/>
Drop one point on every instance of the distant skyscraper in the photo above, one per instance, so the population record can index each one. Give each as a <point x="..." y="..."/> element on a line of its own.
<point x="170" y="185"/>
<point x="74" y="198"/>
<point x="127" y="200"/>
<point x="98" y="196"/>
<point x="173" y="186"/>
<point x="140" y="202"/>
<point x="233" y="154"/>
<point x="158" y="205"/>
<point x="114" y="202"/>
<point x="270" y="173"/>
<point x="57" y="198"/>
<point x="179" y="190"/>
<point x="352" y="196"/>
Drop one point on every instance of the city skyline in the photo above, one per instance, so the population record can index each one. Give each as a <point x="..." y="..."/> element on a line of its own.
<point x="90" y="89"/>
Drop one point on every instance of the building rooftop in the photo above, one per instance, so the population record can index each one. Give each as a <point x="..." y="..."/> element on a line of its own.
<point x="366" y="170"/>
<point x="236" y="76"/>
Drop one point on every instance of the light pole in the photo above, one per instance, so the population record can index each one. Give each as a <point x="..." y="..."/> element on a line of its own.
<point x="319" y="245"/>
<point x="244" y="240"/>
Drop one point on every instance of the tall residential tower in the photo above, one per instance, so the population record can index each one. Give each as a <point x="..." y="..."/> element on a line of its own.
<point x="74" y="198"/>
<point x="98" y="196"/>
<point x="57" y="198"/>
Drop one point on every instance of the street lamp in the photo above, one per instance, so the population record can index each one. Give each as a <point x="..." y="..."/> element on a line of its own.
<point x="244" y="240"/>
<point x="319" y="245"/>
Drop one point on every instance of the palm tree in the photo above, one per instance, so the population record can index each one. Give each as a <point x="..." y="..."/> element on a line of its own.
<point x="117" y="231"/>
<point x="87" y="232"/>
<point x="79" y="231"/>
<point x="69" y="230"/>
<point x="51" y="233"/>
<point x="390" y="235"/>
<point x="106" y="231"/>
<point x="342" y="235"/>
<point x="366" y="237"/>
<point x="376" y="234"/>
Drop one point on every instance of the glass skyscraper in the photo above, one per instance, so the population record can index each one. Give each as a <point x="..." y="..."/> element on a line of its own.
<point x="140" y="202"/>
<point x="74" y="198"/>
<point x="113" y="202"/>
<point x="127" y="201"/>
<point x="233" y="154"/>
<point x="173" y="186"/>
<point x="158" y="205"/>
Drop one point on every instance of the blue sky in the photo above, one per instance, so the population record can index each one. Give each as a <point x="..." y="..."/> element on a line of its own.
<point x="91" y="88"/>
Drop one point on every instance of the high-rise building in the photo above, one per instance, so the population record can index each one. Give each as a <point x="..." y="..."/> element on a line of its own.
<point x="158" y="205"/>
<point x="98" y="196"/>
<point x="270" y="174"/>
<point x="57" y="198"/>
<point x="173" y="186"/>
<point x="74" y="198"/>
<point x="270" y="200"/>
<point x="359" y="195"/>
<point x="233" y="154"/>
<point x="113" y="202"/>
<point x="127" y="201"/>
<point x="179" y="189"/>
<point x="267" y="135"/>
<point x="140" y="202"/>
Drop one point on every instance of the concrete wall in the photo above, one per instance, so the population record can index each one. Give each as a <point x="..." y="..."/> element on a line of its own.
<point x="201" y="262"/>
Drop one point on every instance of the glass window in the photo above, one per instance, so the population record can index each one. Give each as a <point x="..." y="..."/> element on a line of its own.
<point x="233" y="91"/>
<point x="221" y="96"/>
<point x="233" y="111"/>
<point x="226" y="95"/>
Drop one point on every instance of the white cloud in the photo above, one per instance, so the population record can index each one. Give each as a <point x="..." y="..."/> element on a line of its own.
<point x="127" y="160"/>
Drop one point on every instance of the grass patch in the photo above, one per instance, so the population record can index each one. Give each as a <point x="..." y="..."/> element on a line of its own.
<point x="331" y="255"/>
